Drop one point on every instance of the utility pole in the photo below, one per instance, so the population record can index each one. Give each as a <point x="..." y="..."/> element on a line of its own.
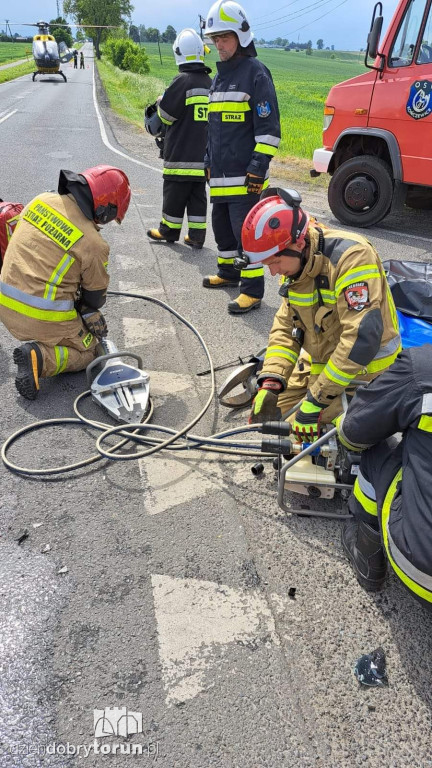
<point x="202" y="24"/>
<point x="160" y="55"/>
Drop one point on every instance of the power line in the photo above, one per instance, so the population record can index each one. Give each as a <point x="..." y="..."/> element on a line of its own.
<point x="276" y="10"/>
<point x="319" y="17"/>
<point x="307" y="9"/>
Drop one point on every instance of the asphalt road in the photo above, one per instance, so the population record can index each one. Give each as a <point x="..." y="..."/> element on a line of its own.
<point x="175" y="600"/>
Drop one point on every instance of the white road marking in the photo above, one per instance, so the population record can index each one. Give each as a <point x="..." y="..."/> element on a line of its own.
<point x="8" y="116"/>
<point x="104" y="136"/>
<point x="193" y="617"/>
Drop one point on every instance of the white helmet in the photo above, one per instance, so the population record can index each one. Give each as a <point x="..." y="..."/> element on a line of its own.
<point x="188" y="47"/>
<point x="228" y="16"/>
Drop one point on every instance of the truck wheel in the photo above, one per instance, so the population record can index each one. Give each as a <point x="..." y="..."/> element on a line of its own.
<point x="361" y="190"/>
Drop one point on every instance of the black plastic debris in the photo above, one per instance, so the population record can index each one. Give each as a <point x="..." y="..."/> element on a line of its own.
<point x="292" y="592"/>
<point x="257" y="469"/>
<point x="22" y="536"/>
<point x="370" y="669"/>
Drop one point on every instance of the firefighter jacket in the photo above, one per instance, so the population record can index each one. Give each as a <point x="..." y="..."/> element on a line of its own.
<point x="55" y="251"/>
<point x="342" y="312"/>
<point x="244" y="126"/>
<point x="183" y="109"/>
<point x="400" y="400"/>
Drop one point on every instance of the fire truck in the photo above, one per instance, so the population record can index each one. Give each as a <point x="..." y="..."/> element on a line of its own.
<point x="377" y="132"/>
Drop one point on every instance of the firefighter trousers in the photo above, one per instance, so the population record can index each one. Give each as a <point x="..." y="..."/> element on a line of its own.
<point x="178" y="197"/>
<point x="65" y="346"/>
<point x="377" y="499"/>
<point x="227" y="221"/>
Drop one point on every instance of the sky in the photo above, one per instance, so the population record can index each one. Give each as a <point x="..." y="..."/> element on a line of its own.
<point x="343" y="23"/>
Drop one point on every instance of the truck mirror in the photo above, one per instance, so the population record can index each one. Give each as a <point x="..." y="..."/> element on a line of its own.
<point x="374" y="37"/>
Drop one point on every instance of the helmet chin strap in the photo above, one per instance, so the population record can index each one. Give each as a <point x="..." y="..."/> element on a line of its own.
<point x="298" y="254"/>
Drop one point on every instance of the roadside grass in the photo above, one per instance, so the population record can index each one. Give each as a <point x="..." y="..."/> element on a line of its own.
<point x="302" y="84"/>
<point x="13" y="51"/>
<point x="21" y="69"/>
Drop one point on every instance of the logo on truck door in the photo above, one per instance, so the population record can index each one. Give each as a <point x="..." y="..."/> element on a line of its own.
<point x="419" y="102"/>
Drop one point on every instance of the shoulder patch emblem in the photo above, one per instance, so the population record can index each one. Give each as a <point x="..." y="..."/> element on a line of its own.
<point x="263" y="109"/>
<point x="357" y="296"/>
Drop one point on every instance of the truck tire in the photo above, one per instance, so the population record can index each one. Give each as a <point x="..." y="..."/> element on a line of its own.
<point x="361" y="190"/>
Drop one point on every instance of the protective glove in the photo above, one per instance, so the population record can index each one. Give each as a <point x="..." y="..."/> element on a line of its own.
<point x="207" y="175"/>
<point x="264" y="405"/>
<point x="254" y="184"/>
<point x="95" y="322"/>
<point x="306" y="424"/>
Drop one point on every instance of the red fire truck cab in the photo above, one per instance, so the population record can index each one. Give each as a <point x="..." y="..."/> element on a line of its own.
<point x="378" y="126"/>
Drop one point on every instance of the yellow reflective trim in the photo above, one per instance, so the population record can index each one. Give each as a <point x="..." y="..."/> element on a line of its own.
<point x="252" y="272"/>
<point x="384" y="362"/>
<point x="197" y="225"/>
<point x="224" y="16"/>
<point x="366" y="272"/>
<point x="193" y="57"/>
<point x="57" y="276"/>
<point x="62" y="356"/>
<point x="184" y="171"/>
<point x="225" y="191"/>
<point x="425" y="424"/>
<point x="52" y="224"/>
<point x="412" y="585"/>
<point x="392" y="308"/>
<point x="225" y="261"/>
<point x="368" y="504"/>
<point x="317" y="368"/>
<point x="336" y="375"/>
<point x="288" y="354"/>
<point x="328" y="296"/>
<point x="197" y="100"/>
<point x="166" y="122"/>
<point x="229" y="106"/>
<point x="266" y="149"/>
<point x="302" y="299"/>
<point x="105" y="265"/>
<point x="170" y="224"/>
<point x="49" y="315"/>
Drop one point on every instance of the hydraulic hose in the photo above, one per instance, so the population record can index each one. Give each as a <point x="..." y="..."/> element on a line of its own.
<point x="182" y="439"/>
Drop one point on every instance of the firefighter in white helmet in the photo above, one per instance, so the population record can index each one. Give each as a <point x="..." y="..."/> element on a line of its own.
<point x="183" y="109"/>
<point x="243" y="136"/>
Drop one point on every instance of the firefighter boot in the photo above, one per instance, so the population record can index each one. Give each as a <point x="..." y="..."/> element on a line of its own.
<point x="362" y="545"/>
<point x="154" y="234"/>
<point x="192" y="243"/>
<point x="28" y="358"/>
<point x="242" y="304"/>
<point x="214" y="281"/>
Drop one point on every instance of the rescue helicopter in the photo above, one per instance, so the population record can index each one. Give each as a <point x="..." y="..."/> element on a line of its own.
<point x="46" y="52"/>
<point x="48" y="55"/>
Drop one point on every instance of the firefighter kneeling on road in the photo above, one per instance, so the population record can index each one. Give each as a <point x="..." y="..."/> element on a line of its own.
<point x="54" y="277"/>
<point x="336" y="307"/>
<point x="392" y="500"/>
<point x="183" y="109"/>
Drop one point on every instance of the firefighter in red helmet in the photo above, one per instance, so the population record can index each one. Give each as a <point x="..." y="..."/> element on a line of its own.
<point x="337" y="324"/>
<point x="54" y="277"/>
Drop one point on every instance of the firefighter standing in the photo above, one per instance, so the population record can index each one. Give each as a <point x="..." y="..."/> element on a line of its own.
<point x="54" y="277"/>
<point x="391" y="497"/>
<point x="244" y="133"/>
<point x="336" y="305"/>
<point x="75" y="58"/>
<point x="82" y="65"/>
<point x="183" y="109"/>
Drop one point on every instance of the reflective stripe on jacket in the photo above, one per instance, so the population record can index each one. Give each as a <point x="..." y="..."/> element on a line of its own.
<point x="184" y="109"/>
<point x="244" y="126"/>
<point x="343" y="304"/>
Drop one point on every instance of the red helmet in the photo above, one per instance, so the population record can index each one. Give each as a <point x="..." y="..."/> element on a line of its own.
<point x="273" y="224"/>
<point x="111" y="192"/>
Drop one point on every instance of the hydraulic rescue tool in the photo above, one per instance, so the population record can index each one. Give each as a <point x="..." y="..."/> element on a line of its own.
<point x="122" y="390"/>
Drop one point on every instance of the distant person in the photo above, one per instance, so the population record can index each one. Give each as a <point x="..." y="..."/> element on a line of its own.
<point x="243" y="136"/>
<point x="82" y="65"/>
<point x="75" y="59"/>
<point x="183" y="109"/>
<point x="54" y="274"/>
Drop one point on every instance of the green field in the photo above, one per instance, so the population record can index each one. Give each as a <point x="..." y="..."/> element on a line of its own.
<point x="302" y="84"/>
<point x="13" y="51"/>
